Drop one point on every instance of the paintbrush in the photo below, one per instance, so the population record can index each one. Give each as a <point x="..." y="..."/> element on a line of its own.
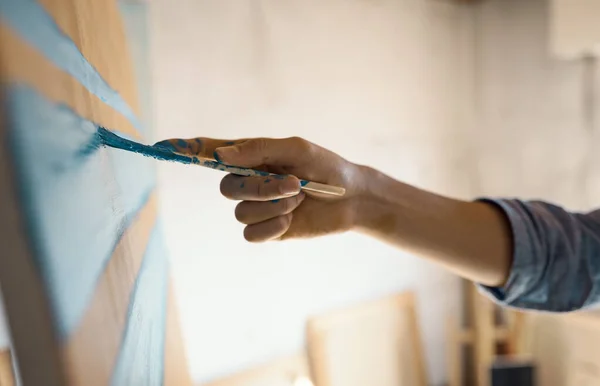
<point x="163" y="153"/>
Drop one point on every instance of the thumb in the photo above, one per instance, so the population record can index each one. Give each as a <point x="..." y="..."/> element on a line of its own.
<point x="265" y="151"/>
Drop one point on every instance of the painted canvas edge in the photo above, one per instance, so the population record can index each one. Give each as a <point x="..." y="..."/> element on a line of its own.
<point x="27" y="306"/>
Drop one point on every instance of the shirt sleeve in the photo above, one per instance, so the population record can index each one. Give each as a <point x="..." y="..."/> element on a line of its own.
<point x="556" y="257"/>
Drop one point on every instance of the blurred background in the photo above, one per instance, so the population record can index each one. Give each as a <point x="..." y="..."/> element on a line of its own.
<point x="465" y="98"/>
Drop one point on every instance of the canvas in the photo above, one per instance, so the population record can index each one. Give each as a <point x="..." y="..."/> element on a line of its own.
<point x="84" y="270"/>
<point x="377" y="342"/>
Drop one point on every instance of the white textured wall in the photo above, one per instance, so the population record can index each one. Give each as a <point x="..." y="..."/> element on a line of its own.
<point x="465" y="101"/>
<point x="531" y="136"/>
<point x="381" y="82"/>
<point x="574" y="27"/>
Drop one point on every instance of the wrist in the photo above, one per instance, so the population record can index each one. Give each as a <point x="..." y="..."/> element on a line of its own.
<point x="373" y="199"/>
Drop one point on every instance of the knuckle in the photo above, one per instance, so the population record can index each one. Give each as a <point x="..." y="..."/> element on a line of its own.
<point x="258" y="144"/>
<point x="302" y="144"/>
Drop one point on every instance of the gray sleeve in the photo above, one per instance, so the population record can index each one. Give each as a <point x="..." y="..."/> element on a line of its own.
<point x="556" y="258"/>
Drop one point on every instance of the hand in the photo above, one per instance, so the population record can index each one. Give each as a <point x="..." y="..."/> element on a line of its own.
<point x="276" y="208"/>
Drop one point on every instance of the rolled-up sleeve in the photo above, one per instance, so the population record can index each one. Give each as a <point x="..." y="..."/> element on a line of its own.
<point x="556" y="257"/>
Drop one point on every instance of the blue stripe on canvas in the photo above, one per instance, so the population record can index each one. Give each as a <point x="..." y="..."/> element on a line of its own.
<point x="31" y="21"/>
<point x="78" y="196"/>
<point x="141" y="356"/>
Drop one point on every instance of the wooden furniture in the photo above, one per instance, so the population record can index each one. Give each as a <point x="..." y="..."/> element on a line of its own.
<point x="484" y="331"/>
<point x="7" y="374"/>
<point x="84" y="273"/>
<point x="566" y="348"/>
<point x="375" y="343"/>
<point x="288" y="371"/>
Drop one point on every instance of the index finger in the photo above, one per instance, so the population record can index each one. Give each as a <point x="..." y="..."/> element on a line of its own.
<point x="200" y="146"/>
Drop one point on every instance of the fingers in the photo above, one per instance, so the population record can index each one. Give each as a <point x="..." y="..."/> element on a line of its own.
<point x="253" y="212"/>
<point x="266" y="151"/>
<point x="202" y="147"/>
<point x="259" y="188"/>
<point x="268" y="230"/>
<point x="267" y="203"/>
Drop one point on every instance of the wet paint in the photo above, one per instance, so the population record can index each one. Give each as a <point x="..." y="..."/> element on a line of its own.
<point x="78" y="197"/>
<point x="141" y="354"/>
<point x="31" y="21"/>
<point x="163" y="151"/>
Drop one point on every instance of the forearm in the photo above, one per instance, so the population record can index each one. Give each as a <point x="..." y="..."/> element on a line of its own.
<point x="472" y="239"/>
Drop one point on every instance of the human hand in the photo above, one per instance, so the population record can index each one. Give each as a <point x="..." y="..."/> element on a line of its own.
<point x="277" y="208"/>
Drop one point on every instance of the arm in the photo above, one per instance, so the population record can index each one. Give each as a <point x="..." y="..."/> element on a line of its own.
<point x="525" y="254"/>
<point x="531" y="255"/>
<point x="472" y="239"/>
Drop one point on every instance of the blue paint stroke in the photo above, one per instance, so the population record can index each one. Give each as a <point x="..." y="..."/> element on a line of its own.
<point x="161" y="151"/>
<point x="141" y="356"/>
<point x="77" y="195"/>
<point x="304" y="182"/>
<point x="135" y="19"/>
<point x="31" y="21"/>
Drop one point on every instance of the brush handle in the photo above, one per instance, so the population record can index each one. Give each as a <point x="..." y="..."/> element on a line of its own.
<point x="324" y="188"/>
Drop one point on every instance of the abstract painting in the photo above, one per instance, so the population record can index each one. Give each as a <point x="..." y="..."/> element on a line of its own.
<point x="84" y="270"/>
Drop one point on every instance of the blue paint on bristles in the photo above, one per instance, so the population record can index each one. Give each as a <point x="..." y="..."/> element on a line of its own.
<point x="165" y="151"/>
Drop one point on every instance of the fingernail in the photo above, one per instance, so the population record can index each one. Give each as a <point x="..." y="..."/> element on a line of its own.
<point x="224" y="152"/>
